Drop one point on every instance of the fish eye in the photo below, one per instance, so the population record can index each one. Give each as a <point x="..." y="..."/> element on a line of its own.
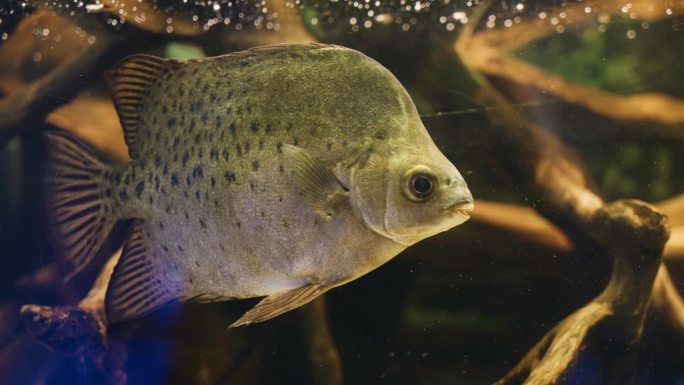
<point x="419" y="184"/>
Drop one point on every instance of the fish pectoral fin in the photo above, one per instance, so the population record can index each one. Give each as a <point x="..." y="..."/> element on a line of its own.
<point x="277" y="304"/>
<point x="322" y="191"/>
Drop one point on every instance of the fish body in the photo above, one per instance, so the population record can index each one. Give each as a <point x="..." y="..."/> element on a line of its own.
<point x="278" y="172"/>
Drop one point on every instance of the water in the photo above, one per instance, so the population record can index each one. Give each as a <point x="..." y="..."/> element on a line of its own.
<point x="490" y="80"/>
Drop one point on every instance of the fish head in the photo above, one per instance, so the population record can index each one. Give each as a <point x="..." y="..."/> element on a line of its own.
<point x="405" y="189"/>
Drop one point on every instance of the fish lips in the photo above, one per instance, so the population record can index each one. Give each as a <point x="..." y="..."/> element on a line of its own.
<point x="462" y="207"/>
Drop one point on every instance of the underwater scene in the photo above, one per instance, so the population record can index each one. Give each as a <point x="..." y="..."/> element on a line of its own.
<point x="327" y="192"/>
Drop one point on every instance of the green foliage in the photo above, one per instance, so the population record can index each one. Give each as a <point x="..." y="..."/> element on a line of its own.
<point x="651" y="61"/>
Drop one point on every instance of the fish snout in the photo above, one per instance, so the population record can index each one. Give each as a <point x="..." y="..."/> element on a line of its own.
<point x="463" y="200"/>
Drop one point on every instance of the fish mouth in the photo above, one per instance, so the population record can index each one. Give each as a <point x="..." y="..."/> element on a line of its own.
<point x="463" y="207"/>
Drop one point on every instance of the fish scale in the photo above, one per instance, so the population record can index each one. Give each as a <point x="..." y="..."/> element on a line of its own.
<point x="271" y="172"/>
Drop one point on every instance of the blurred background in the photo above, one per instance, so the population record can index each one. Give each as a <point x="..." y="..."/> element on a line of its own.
<point x="606" y="77"/>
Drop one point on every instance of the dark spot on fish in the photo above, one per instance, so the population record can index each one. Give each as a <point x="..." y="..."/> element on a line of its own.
<point x="139" y="189"/>
<point x="225" y="153"/>
<point x="206" y="195"/>
<point x="165" y="110"/>
<point x="212" y="97"/>
<point x="163" y="190"/>
<point x="328" y="146"/>
<point x="176" y="140"/>
<point x="213" y="154"/>
<point x="186" y="215"/>
<point x="296" y="141"/>
<point x="204" y="225"/>
<point x="269" y="128"/>
<point x="255" y="165"/>
<point x="150" y="199"/>
<point x="254" y="127"/>
<point x="156" y="183"/>
<point x="187" y="179"/>
<point x="218" y="122"/>
<point x="248" y="146"/>
<point x="230" y="176"/>
<point x="117" y="178"/>
<point x="108" y="193"/>
<point x="180" y="248"/>
<point x="157" y="161"/>
<point x="288" y="127"/>
<point x="262" y="214"/>
<point x="280" y="198"/>
<point x="261" y="144"/>
<point x="175" y="157"/>
<point x="381" y="134"/>
<point x="228" y="110"/>
<point x="166" y="249"/>
<point x="238" y="149"/>
<point x="279" y="147"/>
<point x="192" y="124"/>
<point x="174" y="179"/>
<point x="233" y="128"/>
<point x="185" y="193"/>
<point x="223" y="248"/>
<point x="238" y="224"/>
<point x="186" y="156"/>
<point x="154" y="121"/>
<point x="165" y="171"/>
<point x="167" y="209"/>
<point x="251" y="185"/>
<point x="127" y="179"/>
<point x="280" y="168"/>
<point x="205" y="117"/>
<point x="197" y="195"/>
<point x="157" y="136"/>
<point x="213" y="182"/>
<point x="216" y="203"/>
<point x="171" y="123"/>
<point x="161" y="225"/>
<point x="123" y="195"/>
<point x="200" y="153"/>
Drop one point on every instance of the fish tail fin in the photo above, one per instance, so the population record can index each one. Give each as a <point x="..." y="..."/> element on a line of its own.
<point x="78" y="200"/>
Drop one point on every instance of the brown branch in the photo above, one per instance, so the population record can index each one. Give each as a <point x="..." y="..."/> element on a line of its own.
<point x="81" y="330"/>
<point x="25" y="108"/>
<point x="489" y="53"/>
<point x="325" y="361"/>
<point x="632" y="232"/>
<point x="667" y="303"/>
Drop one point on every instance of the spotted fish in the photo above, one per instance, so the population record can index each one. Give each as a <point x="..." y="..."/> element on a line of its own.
<point x="278" y="172"/>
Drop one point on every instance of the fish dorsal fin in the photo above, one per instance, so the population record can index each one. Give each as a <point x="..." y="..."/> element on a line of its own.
<point x="76" y="200"/>
<point x="277" y="304"/>
<point x="139" y="284"/>
<point x="322" y="191"/>
<point x="129" y="82"/>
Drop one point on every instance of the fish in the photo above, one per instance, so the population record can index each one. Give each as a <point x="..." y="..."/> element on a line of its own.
<point x="278" y="172"/>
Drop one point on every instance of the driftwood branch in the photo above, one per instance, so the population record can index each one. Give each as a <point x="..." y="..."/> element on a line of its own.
<point x="30" y="105"/>
<point x="641" y="114"/>
<point x="633" y="233"/>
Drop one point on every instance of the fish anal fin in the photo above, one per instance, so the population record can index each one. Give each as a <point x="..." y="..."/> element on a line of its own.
<point x="138" y="285"/>
<point x="129" y="82"/>
<point x="78" y="212"/>
<point x="322" y="191"/>
<point x="277" y="304"/>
